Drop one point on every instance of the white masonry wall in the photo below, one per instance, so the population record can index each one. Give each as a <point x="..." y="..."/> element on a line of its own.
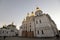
<point x="7" y="32"/>
<point x="44" y="25"/>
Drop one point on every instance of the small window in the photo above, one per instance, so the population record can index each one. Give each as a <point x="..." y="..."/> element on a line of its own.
<point x="37" y="15"/>
<point x="26" y="30"/>
<point x="38" y="32"/>
<point x="42" y="32"/>
<point x="30" y="29"/>
<point x="40" y="21"/>
<point x="16" y="34"/>
<point x="3" y="31"/>
<point x="12" y="30"/>
<point x="30" y="23"/>
<point x="7" y="32"/>
<point x="30" y="26"/>
<point x="36" y="22"/>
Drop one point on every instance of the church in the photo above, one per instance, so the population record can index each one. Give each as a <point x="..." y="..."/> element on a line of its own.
<point x="38" y="24"/>
<point x="9" y="30"/>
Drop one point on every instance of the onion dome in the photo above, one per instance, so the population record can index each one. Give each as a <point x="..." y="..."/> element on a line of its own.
<point x="38" y="11"/>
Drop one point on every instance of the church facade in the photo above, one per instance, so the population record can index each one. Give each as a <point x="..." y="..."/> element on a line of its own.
<point x="38" y="24"/>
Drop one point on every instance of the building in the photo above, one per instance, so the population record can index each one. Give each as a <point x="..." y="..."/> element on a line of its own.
<point x="9" y="30"/>
<point x="38" y="24"/>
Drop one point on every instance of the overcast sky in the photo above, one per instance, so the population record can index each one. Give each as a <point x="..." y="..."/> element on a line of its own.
<point x="16" y="10"/>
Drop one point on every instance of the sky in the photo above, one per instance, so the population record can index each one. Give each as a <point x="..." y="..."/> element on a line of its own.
<point x="16" y="10"/>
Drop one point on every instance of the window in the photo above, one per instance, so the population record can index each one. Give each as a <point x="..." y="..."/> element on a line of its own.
<point x="40" y="21"/>
<point x="36" y="22"/>
<point x="30" y="23"/>
<point x="42" y="32"/>
<point x="3" y="32"/>
<point x="12" y="30"/>
<point x="30" y="26"/>
<point x="7" y="32"/>
<point x="16" y="34"/>
<point x="30" y="29"/>
<point x="38" y="32"/>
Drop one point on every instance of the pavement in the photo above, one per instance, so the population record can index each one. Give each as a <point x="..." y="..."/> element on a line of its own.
<point x="24" y="38"/>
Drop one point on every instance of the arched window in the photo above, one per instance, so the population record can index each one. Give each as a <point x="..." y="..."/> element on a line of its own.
<point x="7" y="32"/>
<point x="30" y="29"/>
<point x="42" y="32"/>
<point x="3" y="32"/>
<point x="38" y="31"/>
<point x="12" y="30"/>
<point x="36" y="22"/>
<point x="37" y="15"/>
<point x="30" y="26"/>
<point x="40" y="21"/>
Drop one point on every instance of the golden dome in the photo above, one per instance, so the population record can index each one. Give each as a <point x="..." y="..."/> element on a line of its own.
<point x="32" y="14"/>
<point x="37" y="8"/>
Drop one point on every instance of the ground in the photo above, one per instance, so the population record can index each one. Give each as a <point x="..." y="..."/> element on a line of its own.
<point x="24" y="38"/>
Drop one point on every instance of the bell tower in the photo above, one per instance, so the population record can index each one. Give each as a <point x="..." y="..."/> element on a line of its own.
<point x="38" y="12"/>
